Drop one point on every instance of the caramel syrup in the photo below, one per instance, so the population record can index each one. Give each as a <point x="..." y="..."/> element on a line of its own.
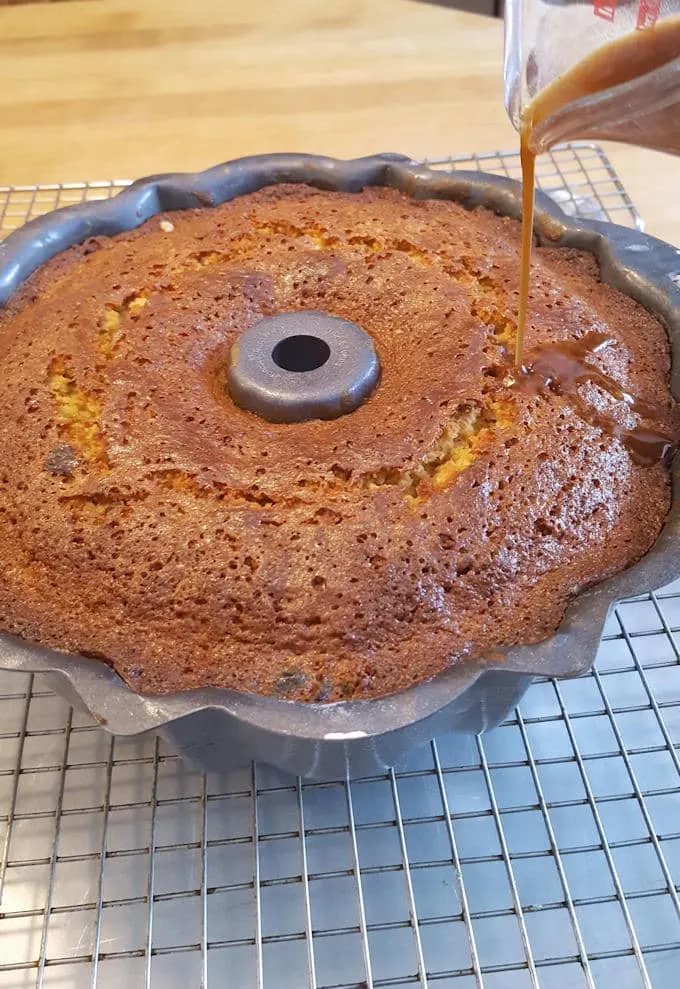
<point x="560" y="368"/>
<point x="528" y="160"/>
<point x="618" y="62"/>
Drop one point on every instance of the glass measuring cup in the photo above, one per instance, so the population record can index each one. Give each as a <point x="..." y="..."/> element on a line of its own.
<point x="605" y="69"/>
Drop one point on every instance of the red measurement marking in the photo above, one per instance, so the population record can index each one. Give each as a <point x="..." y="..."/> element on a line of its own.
<point x="607" y="8"/>
<point x="648" y="11"/>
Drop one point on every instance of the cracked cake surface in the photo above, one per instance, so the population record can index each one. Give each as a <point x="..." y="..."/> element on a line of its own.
<point x="148" y="521"/>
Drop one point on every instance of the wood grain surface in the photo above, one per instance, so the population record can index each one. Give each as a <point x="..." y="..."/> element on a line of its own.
<point x="102" y="89"/>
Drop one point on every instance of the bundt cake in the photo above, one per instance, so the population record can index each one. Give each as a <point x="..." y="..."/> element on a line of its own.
<point x="148" y="520"/>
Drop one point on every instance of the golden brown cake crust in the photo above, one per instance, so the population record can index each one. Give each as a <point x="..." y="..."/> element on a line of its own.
<point x="147" y="520"/>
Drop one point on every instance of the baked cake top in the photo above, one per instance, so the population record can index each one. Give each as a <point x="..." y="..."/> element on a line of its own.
<point x="149" y="521"/>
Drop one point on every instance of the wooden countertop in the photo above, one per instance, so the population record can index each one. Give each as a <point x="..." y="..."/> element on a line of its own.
<point x="96" y="89"/>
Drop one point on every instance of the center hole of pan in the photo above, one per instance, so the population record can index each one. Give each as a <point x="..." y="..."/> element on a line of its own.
<point x="301" y="352"/>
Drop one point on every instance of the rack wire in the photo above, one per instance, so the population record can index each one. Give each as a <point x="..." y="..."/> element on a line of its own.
<point x="544" y="854"/>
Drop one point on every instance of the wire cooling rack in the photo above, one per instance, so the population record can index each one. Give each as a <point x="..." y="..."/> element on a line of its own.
<point x="545" y="854"/>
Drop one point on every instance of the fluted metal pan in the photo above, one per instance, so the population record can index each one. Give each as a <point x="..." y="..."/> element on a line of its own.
<point x="218" y="729"/>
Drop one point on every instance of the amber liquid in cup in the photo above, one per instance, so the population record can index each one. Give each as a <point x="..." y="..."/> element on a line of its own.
<point x="612" y="65"/>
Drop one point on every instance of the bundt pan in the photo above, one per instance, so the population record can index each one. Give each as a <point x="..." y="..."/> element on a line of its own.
<point x="219" y="729"/>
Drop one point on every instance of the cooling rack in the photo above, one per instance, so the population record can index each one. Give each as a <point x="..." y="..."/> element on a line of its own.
<point x="545" y="854"/>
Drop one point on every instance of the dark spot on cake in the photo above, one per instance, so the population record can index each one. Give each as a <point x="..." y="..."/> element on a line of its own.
<point x="62" y="461"/>
<point x="92" y="244"/>
<point x="465" y="566"/>
<point x="544" y="527"/>
<point x="290" y="681"/>
<point x="325" y="689"/>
